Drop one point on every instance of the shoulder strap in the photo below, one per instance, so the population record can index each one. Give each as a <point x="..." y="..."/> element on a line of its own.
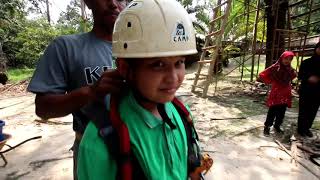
<point x="194" y="156"/>
<point x="177" y="103"/>
<point x="115" y="136"/>
<point x="183" y="111"/>
<point x="124" y="162"/>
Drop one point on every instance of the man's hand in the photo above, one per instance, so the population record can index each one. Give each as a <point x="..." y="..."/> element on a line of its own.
<point x="206" y="164"/>
<point x="57" y="105"/>
<point x="109" y="82"/>
<point x="313" y="79"/>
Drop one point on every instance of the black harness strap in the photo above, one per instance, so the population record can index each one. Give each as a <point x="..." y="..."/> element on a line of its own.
<point x="194" y="156"/>
<point x="111" y="139"/>
<point x="165" y="117"/>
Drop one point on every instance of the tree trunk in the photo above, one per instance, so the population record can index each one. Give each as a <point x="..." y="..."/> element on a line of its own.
<point x="83" y="16"/>
<point x="270" y="27"/>
<point x="282" y="21"/>
<point x="48" y="11"/>
<point x="273" y="53"/>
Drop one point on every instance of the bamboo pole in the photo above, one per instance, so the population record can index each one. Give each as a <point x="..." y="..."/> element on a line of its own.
<point x="254" y="41"/>
<point x="300" y="162"/>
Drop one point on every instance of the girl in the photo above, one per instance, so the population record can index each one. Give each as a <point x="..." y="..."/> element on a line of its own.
<point x="279" y="75"/>
<point x="150" y="40"/>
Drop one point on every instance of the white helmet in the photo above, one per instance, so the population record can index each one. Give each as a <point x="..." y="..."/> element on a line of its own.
<point x="153" y="28"/>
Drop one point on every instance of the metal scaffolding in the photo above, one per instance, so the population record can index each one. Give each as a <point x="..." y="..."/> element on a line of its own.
<point x="293" y="37"/>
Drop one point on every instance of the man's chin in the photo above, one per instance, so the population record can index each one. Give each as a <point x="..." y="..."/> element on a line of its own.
<point x="110" y="20"/>
<point x="107" y="26"/>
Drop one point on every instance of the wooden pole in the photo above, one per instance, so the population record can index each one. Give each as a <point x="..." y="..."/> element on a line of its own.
<point x="297" y="160"/>
<point x="308" y="28"/>
<point x="254" y="41"/>
<point x="261" y="46"/>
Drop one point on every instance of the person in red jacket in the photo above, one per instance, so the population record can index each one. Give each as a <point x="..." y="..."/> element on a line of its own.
<point x="279" y="75"/>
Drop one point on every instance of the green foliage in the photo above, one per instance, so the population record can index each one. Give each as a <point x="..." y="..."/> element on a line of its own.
<point x="33" y="40"/>
<point x="301" y="21"/>
<point x="16" y="75"/>
<point x="36" y="6"/>
<point x="231" y="49"/>
<point x="24" y="40"/>
<point x="237" y="26"/>
<point x="11" y="13"/>
<point x="185" y="3"/>
<point x="71" y="20"/>
<point x="26" y="46"/>
<point x="12" y="17"/>
<point x="203" y="21"/>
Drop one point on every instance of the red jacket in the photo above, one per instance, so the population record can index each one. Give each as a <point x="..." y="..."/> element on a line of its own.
<point x="280" y="90"/>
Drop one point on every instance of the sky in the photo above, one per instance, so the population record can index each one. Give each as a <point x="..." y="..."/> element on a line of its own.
<point x="56" y="7"/>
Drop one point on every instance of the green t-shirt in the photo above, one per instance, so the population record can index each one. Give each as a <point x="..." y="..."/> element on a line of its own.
<point x="161" y="151"/>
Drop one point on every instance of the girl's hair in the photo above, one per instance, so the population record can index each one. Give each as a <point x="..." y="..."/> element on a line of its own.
<point x="132" y="62"/>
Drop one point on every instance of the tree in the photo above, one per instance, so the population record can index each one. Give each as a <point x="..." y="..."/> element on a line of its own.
<point x="272" y="15"/>
<point x="12" y="16"/>
<point x="72" y="20"/>
<point x="300" y="23"/>
<point x="32" y="41"/>
<point x="25" y="40"/>
<point x="236" y="26"/>
<point x="37" y="6"/>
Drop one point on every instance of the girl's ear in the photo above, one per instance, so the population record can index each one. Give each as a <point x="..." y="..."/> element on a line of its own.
<point x="123" y="67"/>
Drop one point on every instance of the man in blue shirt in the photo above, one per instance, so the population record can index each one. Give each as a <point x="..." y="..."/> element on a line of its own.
<point x="75" y="71"/>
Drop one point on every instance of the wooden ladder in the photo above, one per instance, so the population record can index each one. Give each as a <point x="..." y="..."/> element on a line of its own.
<point x="216" y="31"/>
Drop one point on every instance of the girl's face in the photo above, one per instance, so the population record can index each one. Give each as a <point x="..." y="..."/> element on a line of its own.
<point x="158" y="79"/>
<point x="318" y="51"/>
<point x="287" y="60"/>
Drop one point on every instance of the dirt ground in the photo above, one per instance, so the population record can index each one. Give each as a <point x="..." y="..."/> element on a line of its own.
<point x="229" y="123"/>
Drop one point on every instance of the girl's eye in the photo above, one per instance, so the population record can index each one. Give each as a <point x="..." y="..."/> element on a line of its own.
<point x="180" y="62"/>
<point x="157" y="64"/>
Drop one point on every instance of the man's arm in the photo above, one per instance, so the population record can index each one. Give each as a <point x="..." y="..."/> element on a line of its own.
<point x="57" y="105"/>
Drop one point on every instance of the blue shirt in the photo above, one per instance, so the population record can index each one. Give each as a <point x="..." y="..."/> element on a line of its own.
<point x="71" y="62"/>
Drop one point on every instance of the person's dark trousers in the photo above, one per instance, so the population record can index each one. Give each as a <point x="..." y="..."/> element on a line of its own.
<point x="308" y="108"/>
<point x="275" y="114"/>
